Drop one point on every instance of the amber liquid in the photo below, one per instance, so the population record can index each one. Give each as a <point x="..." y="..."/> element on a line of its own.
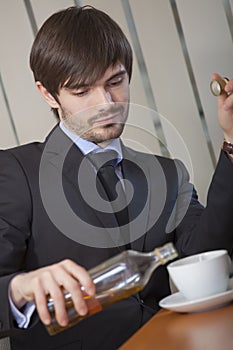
<point x="95" y="304"/>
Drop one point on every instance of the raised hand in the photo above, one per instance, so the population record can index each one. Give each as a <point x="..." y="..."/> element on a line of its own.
<point x="225" y="109"/>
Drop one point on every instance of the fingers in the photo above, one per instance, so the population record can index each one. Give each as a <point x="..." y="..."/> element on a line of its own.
<point x="228" y="103"/>
<point x="229" y="85"/>
<point x="225" y="100"/>
<point x="52" y="281"/>
<point x="80" y="274"/>
<point x="47" y="284"/>
<point x="41" y="305"/>
<point x="70" y="276"/>
<point x="77" y="273"/>
<point x="216" y="76"/>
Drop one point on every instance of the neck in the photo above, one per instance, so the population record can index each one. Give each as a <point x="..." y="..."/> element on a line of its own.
<point x="104" y="143"/>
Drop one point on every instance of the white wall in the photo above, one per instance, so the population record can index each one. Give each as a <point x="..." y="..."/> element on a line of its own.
<point x="172" y="73"/>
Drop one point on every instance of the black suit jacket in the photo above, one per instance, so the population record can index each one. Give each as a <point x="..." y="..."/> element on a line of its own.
<point x="46" y="215"/>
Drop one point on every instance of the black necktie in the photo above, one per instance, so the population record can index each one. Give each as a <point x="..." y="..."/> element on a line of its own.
<point x="105" y="163"/>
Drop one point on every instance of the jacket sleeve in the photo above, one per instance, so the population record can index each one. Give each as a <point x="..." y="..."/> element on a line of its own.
<point x="201" y="229"/>
<point x="15" y="218"/>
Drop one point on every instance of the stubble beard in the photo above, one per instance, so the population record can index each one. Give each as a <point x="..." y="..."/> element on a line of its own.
<point x="104" y="133"/>
<point x="90" y="132"/>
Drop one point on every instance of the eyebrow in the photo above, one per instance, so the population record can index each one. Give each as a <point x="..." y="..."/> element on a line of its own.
<point x="115" y="75"/>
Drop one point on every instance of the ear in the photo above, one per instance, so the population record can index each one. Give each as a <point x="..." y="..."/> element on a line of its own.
<point x="47" y="96"/>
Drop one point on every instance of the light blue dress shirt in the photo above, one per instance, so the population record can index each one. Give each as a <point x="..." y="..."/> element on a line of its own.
<point x="88" y="147"/>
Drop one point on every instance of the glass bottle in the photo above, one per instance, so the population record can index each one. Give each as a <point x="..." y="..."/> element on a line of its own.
<point x="119" y="277"/>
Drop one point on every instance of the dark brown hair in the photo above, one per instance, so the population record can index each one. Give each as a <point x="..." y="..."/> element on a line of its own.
<point x="76" y="46"/>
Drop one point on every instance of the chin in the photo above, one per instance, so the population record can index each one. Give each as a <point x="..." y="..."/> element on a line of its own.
<point x="106" y="133"/>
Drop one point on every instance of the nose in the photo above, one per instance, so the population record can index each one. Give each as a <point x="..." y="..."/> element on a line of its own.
<point x="103" y="99"/>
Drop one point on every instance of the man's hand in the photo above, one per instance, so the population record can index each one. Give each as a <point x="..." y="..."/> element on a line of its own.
<point x="225" y="110"/>
<point x="52" y="281"/>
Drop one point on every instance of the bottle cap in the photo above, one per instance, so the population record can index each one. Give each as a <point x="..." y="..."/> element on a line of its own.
<point x="166" y="253"/>
<point x="217" y="86"/>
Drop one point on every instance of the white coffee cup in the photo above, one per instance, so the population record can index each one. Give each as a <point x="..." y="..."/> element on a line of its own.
<point x="201" y="275"/>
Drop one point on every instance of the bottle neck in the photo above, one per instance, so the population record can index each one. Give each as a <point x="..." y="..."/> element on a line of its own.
<point x="166" y="253"/>
<point x="148" y="262"/>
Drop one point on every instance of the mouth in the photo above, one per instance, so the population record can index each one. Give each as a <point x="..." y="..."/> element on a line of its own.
<point x="113" y="119"/>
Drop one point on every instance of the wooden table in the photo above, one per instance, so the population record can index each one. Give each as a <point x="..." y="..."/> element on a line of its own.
<point x="168" y="330"/>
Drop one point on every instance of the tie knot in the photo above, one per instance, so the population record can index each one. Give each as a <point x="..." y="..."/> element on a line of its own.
<point x="103" y="159"/>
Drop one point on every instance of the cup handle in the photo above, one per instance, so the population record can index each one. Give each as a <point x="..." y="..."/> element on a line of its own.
<point x="172" y="286"/>
<point x="231" y="267"/>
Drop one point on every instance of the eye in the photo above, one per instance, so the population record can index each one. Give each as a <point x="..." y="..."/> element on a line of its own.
<point x="80" y="93"/>
<point x="116" y="81"/>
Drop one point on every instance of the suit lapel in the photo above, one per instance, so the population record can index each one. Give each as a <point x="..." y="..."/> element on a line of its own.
<point x="66" y="157"/>
<point x="62" y="154"/>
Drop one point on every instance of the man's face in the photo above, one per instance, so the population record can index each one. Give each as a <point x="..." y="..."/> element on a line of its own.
<point x="97" y="113"/>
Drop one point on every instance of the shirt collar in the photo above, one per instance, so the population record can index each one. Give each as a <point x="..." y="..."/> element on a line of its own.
<point x="88" y="146"/>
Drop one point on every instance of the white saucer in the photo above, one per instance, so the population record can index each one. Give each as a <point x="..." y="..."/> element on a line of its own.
<point x="177" y="302"/>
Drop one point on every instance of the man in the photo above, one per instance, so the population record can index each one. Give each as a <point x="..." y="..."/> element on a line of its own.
<point x="54" y="225"/>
